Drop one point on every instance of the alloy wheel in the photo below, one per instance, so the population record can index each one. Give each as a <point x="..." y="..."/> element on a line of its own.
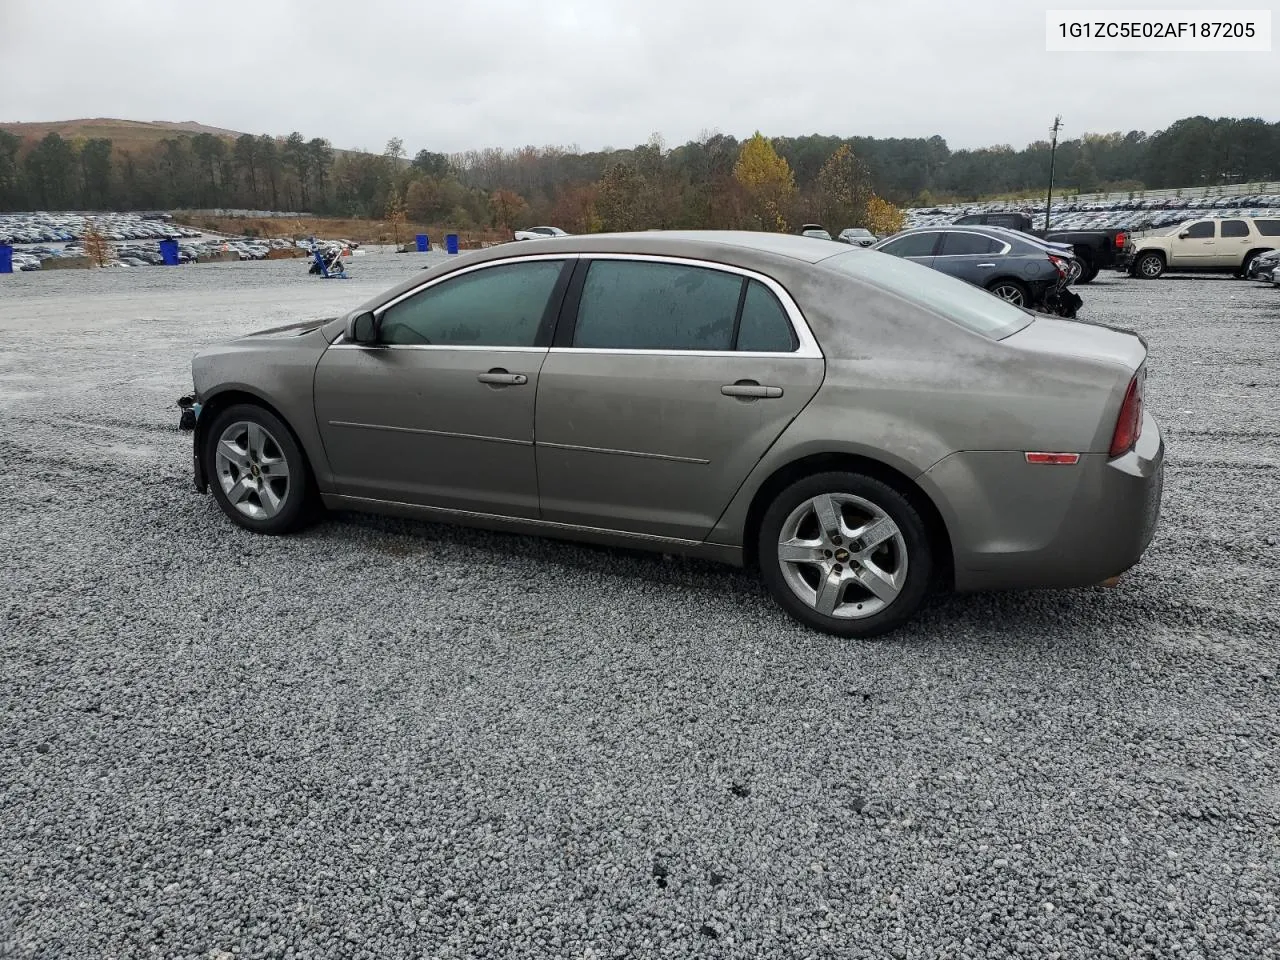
<point x="252" y="470"/>
<point x="1010" y="293"/>
<point x="843" y="556"/>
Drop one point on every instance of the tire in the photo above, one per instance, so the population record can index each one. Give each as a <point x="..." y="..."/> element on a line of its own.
<point x="1248" y="262"/>
<point x="1012" y="291"/>
<point x="1090" y="272"/>
<point x="262" y="468"/>
<point x="1148" y="266"/>
<point x="901" y="565"/>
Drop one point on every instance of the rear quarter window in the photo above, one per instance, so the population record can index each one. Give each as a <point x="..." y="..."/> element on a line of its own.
<point x="958" y="301"/>
<point x="1268" y="228"/>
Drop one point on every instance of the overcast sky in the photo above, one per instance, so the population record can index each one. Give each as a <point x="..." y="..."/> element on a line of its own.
<point x="452" y="75"/>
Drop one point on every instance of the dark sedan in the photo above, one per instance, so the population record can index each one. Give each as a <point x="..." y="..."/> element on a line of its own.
<point x="1020" y="271"/>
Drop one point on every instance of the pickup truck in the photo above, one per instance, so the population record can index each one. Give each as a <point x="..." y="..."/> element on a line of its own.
<point x="1211" y="245"/>
<point x="1095" y="249"/>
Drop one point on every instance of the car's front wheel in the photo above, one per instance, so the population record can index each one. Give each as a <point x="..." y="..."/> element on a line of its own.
<point x="261" y="478"/>
<point x="845" y="554"/>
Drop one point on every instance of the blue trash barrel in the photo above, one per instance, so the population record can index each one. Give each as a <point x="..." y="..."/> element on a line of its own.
<point x="6" y="258"/>
<point x="422" y="243"/>
<point x="451" y="243"/>
<point x="169" y="250"/>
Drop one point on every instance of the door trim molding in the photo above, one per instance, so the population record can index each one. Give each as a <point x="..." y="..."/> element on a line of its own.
<point x="432" y="433"/>
<point x="623" y="453"/>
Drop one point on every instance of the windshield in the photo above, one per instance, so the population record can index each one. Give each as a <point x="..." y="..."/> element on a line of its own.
<point x="958" y="301"/>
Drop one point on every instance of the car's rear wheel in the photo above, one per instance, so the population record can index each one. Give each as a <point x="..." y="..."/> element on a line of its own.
<point x="1148" y="266"/>
<point x="1088" y="271"/>
<point x="845" y="554"/>
<point x="1247" y="265"/>
<point x="261" y="478"/>
<point x="1011" y="291"/>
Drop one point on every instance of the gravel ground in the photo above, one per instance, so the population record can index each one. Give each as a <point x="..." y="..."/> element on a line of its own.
<point x="350" y="744"/>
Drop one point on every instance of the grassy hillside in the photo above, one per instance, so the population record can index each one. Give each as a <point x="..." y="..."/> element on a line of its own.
<point x="123" y="133"/>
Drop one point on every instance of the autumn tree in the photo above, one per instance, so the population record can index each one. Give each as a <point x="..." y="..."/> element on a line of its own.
<point x="506" y="206"/>
<point x="422" y="199"/>
<point x="883" y="217"/>
<point x="396" y="216"/>
<point x="618" y="199"/>
<point x="575" y="209"/>
<point x="843" y="189"/>
<point x="96" y="247"/>
<point x="767" y="181"/>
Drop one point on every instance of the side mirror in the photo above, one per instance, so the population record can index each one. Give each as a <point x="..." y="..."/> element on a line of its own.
<point x="1184" y="234"/>
<point x="362" y="328"/>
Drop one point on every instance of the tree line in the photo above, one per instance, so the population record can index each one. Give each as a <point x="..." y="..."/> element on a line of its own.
<point x="713" y="181"/>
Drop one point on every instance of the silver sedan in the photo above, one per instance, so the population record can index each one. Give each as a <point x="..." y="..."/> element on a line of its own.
<point x="861" y="428"/>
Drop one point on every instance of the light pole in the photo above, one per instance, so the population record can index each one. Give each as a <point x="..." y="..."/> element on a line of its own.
<point x="1053" y="148"/>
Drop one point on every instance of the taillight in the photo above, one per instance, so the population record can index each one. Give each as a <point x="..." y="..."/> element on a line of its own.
<point x="1129" y="423"/>
<point x="1120" y="240"/>
<point x="1060" y="264"/>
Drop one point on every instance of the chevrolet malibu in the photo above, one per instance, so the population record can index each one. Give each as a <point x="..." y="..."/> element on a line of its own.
<point x="860" y="428"/>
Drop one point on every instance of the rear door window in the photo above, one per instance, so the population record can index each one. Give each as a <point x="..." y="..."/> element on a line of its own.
<point x="649" y="305"/>
<point x="639" y="305"/>
<point x="1235" y="228"/>
<point x="959" y="244"/>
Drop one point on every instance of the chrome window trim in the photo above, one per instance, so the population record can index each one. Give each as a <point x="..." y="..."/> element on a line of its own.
<point x="341" y="344"/>
<point x="807" y="349"/>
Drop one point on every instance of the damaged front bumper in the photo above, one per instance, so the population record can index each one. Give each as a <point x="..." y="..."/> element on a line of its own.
<point x="188" y="420"/>
<point x="190" y="408"/>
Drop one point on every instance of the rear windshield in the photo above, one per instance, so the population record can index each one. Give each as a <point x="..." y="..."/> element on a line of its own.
<point x="958" y="301"/>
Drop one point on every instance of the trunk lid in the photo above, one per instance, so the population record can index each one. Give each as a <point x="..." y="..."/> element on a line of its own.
<point x="1079" y="338"/>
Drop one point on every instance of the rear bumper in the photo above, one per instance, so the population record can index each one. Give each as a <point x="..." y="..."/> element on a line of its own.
<point x="1015" y="525"/>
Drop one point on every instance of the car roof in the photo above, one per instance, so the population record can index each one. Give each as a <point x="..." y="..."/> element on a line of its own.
<point x="745" y="249"/>
<point x="683" y="242"/>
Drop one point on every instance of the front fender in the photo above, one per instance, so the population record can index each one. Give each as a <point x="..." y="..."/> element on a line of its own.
<point x="278" y="374"/>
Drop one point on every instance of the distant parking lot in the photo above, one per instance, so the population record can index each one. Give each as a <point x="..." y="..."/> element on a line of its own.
<point x="1114" y="213"/>
<point x="385" y="738"/>
<point x="133" y="240"/>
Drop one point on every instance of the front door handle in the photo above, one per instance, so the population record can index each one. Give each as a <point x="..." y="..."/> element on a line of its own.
<point x="986" y="264"/>
<point x="501" y="378"/>
<point x="750" y="390"/>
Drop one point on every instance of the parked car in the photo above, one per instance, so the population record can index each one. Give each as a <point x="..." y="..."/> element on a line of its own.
<point x="539" y="233"/>
<point x="1263" y="266"/>
<point x="1015" y="268"/>
<point x="1210" y="245"/>
<point x="1095" y="249"/>
<point x="839" y="418"/>
<point x="815" y="230"/>
<point x="858" y="236"/>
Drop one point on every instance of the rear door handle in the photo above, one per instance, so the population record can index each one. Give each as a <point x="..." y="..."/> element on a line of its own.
<point x="986" y="264"/>
<point x="750" y="390"/>
<point x="501" y="378"/>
